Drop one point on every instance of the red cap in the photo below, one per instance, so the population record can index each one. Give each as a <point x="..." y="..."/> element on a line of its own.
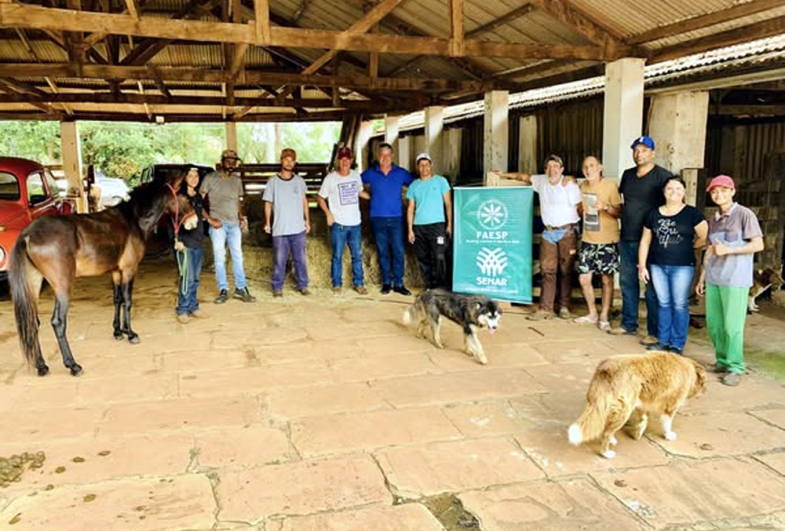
<point x="344" y="153"/>
<point x="721" y="180"/>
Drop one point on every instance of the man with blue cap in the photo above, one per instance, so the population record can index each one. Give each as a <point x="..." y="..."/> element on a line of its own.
<point x="642" y="190"/>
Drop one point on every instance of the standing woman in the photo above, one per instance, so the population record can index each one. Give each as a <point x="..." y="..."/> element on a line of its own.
<point x="670" y="235"/>
<point x="190" y="250"/>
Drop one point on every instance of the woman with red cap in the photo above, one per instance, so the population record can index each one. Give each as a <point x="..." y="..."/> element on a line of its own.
<point x="734" y="237"/>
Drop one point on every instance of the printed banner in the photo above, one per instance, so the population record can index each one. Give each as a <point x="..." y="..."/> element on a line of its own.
<point x="492" y="239"/>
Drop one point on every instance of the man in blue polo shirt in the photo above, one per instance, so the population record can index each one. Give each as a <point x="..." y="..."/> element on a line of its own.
<point x="385" y="182"/>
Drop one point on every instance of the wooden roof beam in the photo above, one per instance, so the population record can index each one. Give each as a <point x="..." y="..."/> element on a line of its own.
<point x="515" y="14"/>
<point x="456" y="28"/>
<point x="262" y="20"/>
<point x="577" y="20"/>
<point x="759" y="30"/>
<point x="195" y="75"/>
<point x="30" y="16"/>
<point x="703" y="21"/>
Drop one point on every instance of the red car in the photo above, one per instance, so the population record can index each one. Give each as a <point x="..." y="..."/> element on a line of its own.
<point x="27" y="192"/>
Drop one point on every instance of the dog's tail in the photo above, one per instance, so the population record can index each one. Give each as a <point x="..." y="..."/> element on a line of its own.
<point x="589" y="425"/>
<point x="407" y="316"/>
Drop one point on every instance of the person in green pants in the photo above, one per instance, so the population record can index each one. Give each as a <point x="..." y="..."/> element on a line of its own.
<point x="726" y="277"/>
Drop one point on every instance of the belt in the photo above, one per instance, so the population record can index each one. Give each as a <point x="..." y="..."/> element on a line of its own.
<point x="567" y="226"/>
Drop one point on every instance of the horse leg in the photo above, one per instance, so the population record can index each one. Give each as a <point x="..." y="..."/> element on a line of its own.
<point x="59" y="324"/>
<point x="128" y="289"/>
<point x="118" y="300"/>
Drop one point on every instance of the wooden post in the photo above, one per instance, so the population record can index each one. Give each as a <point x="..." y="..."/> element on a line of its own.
<point x="72" y="163"/>
<point x="231" y="136"/>
<point x="391" y="135"/>
<point x="434" y="124"/>
<point x="527" y="149"/>
<point x="496" y="131"/>
<point x="678" y="127"/>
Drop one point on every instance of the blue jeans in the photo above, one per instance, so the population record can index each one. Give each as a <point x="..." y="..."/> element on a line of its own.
<point x="388" y="233"/>
<point x="672" y="284"/>
<point x="228" y="233"/>
<point x="187" y="302"/>
<point x="630" y="291"/>
<point x="281" y="247"/>
<point x="340" y="235"/>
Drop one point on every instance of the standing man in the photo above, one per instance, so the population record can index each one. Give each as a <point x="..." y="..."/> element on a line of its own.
<point x="641" y="188"/>
<point x="343" y="189"/>
<point x="429" y="200"/>
<point x="559" y="199"/>
<point x="734" y="237"/>
<point x="227" y="221"/>
<point x="285" y="202"/>
<point x="599" y="251"/>
<point x="386" y="181"/>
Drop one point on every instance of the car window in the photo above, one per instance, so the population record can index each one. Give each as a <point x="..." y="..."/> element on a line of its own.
<point x="36" y="193"/>
<point x="54" y="186"/>
<point x="9" y="186"/>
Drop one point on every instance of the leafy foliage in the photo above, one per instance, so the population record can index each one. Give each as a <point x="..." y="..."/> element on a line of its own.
<point x="124" y="149"/>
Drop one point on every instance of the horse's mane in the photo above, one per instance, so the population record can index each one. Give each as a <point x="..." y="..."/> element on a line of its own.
<point x="145" y="203"/>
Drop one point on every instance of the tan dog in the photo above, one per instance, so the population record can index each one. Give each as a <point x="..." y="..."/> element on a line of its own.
<point x="761" y="281"/>
<point x="657" y="383"/>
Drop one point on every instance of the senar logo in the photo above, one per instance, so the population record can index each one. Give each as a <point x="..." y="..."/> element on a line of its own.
<point x="492" y="263"/>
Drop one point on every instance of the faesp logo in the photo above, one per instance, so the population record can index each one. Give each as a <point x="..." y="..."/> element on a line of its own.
<point x="492" y="215"/>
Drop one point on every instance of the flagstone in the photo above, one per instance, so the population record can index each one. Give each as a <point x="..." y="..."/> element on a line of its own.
<point x="241" y="446"/>
<point x="436" y="468"/>
<point x="487" y="419"/>
<point x="300" y="488"/>
<point x="410" y="516"/>
<point x="295" y="402"/>
<point x="253" y="380"/>
<point x="363" y="369"/>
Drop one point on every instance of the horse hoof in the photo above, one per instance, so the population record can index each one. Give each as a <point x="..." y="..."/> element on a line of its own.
<point x="118" y="335"/>
<point x="76" y="369"/>
<point x="43" y="371"/>
<point x="133" y="339"/>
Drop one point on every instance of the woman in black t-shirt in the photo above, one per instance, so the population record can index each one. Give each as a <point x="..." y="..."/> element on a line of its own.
<point x="671" y="233"/>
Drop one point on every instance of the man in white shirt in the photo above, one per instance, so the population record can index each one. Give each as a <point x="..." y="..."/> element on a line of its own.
<point x="339" y="199"/>
<point x="559" y="199"/>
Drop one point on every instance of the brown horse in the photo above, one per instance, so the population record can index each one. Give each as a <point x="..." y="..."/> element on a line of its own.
<point x="61" y="248"/>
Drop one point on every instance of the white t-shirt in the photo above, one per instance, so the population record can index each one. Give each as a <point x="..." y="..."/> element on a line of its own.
<point x="558" y="204"/>
<point x="342" y="194"/>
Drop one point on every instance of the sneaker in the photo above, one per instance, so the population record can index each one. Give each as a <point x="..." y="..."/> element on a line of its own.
<point x="540" y="315"/>
<point x="386" y="289"/>
<point x="222" y="296"/>
<point x="337" y="290"/>
<point x="304" y="291"/>
<point x="183" y="318"/>
<point x="620" y="331"/>
<point x="649" y="340"/>
<point x="658" y="347"/>
<point x="732" y="379"/>
<point x="564" y="313"/>
<point x="361" y="290"/>
<point x="718" y="369"/>
<point x="277" y="294"/>
<point x="402" y="290"/>
<point x="244" y="295"/>
<point x="198" y="314"/>
<point x="676" y="351"/>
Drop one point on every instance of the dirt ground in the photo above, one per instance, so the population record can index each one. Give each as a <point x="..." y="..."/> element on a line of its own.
<point x="325" y="413"/>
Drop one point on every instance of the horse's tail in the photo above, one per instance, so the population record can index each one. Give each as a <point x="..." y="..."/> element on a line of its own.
<point x="25" y="282"/>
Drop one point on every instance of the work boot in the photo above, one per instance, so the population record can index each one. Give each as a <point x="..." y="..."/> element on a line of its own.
<point x="244" y="295"/>
<point x="402" y="290"/>
<point x="361" y="290"/>
<point x="222" y="296"/>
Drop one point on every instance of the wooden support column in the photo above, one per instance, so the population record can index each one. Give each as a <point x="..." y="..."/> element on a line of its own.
<point x="361" y="147"/>
<point x="434" y="125"/>
<point x="527" y="148"/>
<point x="496" y="131"/>
<point x="623" y="115"/>
<point x="72" y="162"/>
<point x="404" y="152"/>
<point x="391" y="136"/>
<point x="231" y="136"/>
<point x="678" y="127"/>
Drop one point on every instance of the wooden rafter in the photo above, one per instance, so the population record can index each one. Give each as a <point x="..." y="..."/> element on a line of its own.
<point x="248" y="76"/>
<point x="515" y="14"/>
<point x="300" y="10"/>
<point x="331" y="116"/>
<point x="577" y="20"/>
<point x="262" y="21"/>
<point x="704" y="21"/>
<point x="760" y="30"/>
<point x="29" y="16"/>
<point x="456" y="28"/>
<point x="130" y="5"/>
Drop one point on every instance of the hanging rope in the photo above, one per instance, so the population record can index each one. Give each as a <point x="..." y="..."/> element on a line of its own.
<point x="182" y="266"/>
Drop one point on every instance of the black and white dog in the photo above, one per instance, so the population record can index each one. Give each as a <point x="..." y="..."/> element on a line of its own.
<point x="470" y="312"/>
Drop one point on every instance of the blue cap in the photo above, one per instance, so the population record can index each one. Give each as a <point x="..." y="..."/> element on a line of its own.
<point x="645" y="140"/>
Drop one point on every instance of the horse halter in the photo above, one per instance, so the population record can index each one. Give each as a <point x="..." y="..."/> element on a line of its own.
<point x="177" y="222"/>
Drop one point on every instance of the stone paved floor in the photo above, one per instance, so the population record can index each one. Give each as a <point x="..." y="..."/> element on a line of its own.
<point x="326" y="414"/>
